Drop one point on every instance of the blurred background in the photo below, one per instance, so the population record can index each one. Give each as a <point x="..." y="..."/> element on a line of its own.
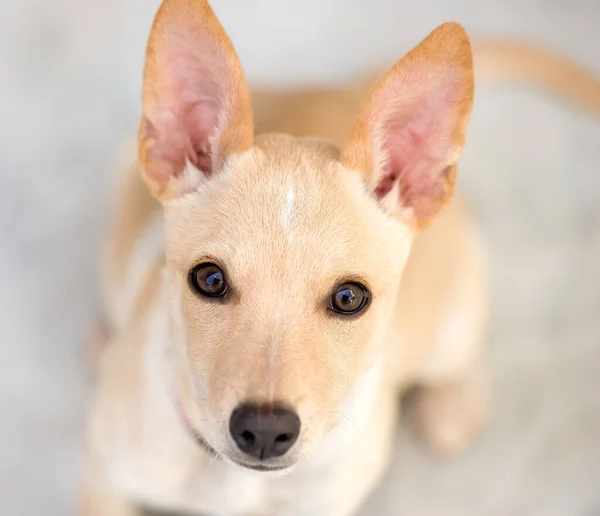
<point x="69" y="97"/>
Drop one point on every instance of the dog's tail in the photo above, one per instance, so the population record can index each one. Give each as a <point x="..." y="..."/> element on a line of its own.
<point x="517" y="62"/>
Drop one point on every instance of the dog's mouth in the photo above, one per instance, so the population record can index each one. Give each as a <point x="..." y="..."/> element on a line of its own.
<point x="261" y="467"/>
<point x="203" y="443"/>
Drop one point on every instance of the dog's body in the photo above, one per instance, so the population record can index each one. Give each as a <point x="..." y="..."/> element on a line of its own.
<point x="155" y="438"/>
<point x="155" y="459"/>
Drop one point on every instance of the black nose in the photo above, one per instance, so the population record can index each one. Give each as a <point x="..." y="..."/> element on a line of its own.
<point x="264" y="432"/>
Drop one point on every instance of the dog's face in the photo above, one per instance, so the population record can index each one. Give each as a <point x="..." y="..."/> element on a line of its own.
<point x="284" y="255"/>
<point x="283" y="274"/>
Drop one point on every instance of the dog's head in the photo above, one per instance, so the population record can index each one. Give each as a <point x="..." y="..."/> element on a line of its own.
<point x="284" y="255"/>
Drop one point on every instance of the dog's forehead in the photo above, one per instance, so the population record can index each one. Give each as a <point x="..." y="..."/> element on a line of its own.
<point x="287" y="205"/>
<point x="291" y="201"/>
<point x="300" y="190"/>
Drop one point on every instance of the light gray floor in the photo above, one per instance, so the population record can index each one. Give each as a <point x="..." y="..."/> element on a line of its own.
<point x="69" y="82"/>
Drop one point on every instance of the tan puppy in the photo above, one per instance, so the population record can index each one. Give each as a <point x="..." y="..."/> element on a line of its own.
<point x="264" y="322"/>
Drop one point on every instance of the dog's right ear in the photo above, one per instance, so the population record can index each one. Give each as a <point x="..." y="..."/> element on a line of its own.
<point x="196" y="107"/>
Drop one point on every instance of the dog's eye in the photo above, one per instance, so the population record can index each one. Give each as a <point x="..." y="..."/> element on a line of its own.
<point x="349" y="298"/>
<point x="208" y="279"/>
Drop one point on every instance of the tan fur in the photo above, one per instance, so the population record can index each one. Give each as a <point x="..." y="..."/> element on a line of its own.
<point x="288" y="215"/>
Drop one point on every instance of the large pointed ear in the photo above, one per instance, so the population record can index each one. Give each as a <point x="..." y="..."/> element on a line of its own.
<point x="411" y="132"/>
<point x="196" y="108"/>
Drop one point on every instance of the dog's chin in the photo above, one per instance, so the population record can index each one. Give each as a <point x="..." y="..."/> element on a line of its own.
<point x="273" y="469"/>
<point x="264" y="469"/>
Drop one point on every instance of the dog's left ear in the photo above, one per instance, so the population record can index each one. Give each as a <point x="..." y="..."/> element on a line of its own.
<point x="411" y="132"/>
<point x="195" y="99"/>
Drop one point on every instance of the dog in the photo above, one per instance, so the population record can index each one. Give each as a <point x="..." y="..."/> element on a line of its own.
<point x="270" y="295"/>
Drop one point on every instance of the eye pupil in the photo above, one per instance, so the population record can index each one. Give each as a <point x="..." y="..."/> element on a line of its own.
<point x="214" y="280"/>
<point x="208" y="279"/>
<point x="349" y="298"/>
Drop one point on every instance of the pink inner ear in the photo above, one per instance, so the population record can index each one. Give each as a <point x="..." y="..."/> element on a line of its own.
<point x="416" y="141"/>
<point x="200" y="122"/>
<point x="186" y="122"/>
<point x="186" y="136"/>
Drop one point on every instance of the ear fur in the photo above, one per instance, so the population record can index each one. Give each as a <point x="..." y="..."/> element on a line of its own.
<point x="411" y="131"/>
<point x="196" y="107"/>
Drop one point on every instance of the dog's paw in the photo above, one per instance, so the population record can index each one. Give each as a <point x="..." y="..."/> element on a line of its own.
<point x="448" y="417"/>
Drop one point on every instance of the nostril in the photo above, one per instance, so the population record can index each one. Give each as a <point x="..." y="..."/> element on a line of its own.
<point x="248" y="437"/>
<point x="283" y="438"/>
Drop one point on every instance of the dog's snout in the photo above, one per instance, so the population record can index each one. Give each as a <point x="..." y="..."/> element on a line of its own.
<point x="264" y="431"/>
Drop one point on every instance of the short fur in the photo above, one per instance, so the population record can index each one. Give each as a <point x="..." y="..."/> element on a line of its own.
<point x="288" y="216"/>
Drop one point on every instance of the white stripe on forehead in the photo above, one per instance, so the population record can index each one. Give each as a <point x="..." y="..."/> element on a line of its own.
<point x="287" y="213"/>
<point x="286" y="222"/>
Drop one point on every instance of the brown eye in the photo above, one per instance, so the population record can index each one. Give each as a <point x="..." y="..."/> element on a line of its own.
<point x="349" y="298"/>
<point x="208" y="279"/>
